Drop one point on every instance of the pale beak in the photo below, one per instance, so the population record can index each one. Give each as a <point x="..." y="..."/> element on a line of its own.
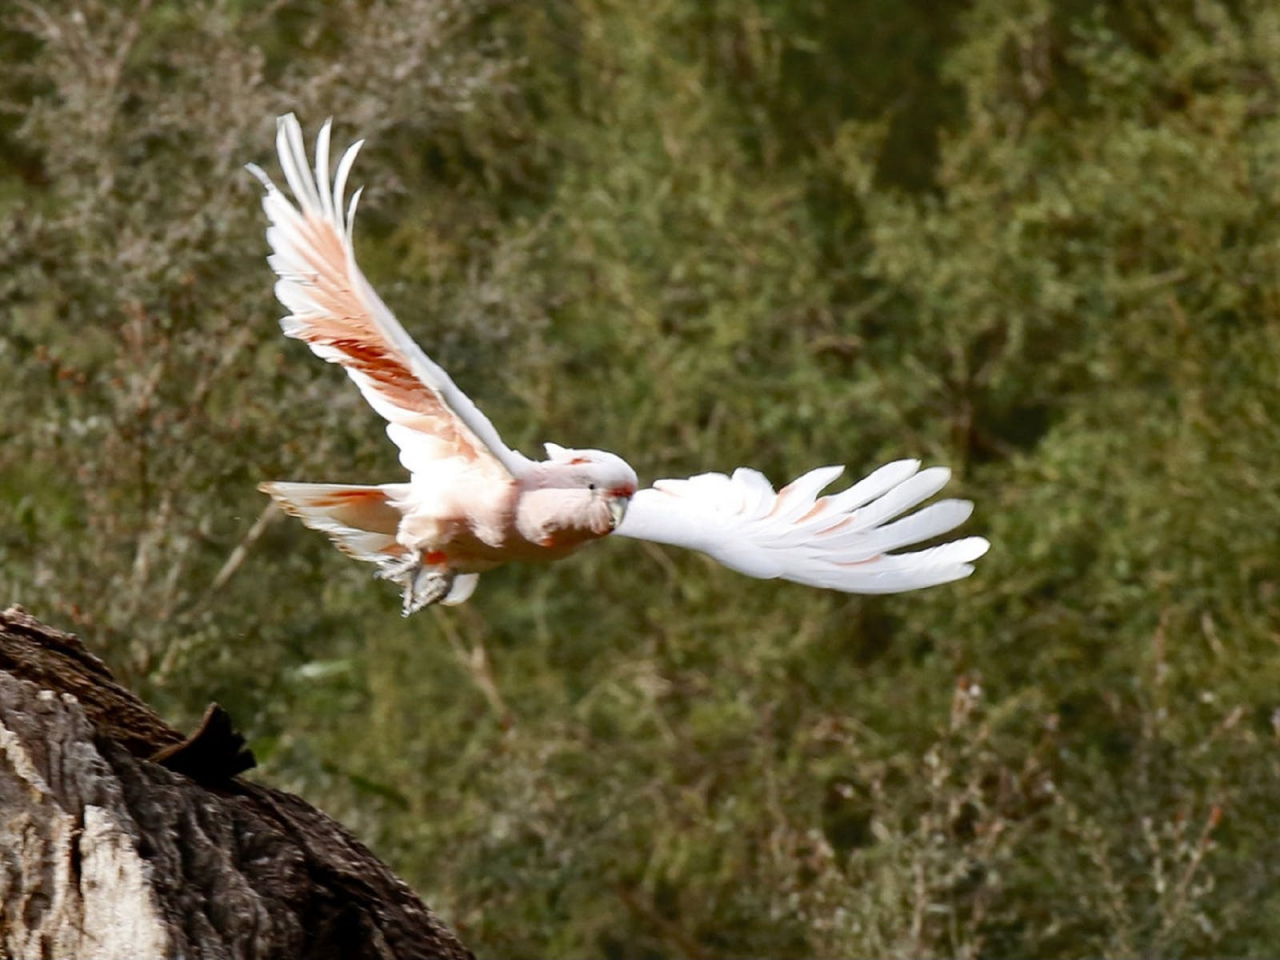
<point x="618" y="510"/>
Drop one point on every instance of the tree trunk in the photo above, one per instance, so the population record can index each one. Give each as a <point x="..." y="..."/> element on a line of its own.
<point x="120" y="838"/>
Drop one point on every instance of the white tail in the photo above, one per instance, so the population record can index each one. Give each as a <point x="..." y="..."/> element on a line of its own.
<point x="362" y="522"/>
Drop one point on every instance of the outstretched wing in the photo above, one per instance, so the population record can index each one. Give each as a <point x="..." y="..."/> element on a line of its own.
<point x="336" y="312"/>
<point x="841" y="541"/>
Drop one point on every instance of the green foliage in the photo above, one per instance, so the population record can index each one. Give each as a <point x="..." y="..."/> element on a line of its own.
<point x="1034" y="240"/>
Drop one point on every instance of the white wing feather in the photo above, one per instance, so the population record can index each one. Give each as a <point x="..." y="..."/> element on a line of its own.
<point x="335" y="310"/>
<point x="842" y="541"/>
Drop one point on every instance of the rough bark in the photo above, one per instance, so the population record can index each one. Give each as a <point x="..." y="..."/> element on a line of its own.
<point x="108" y="851"/>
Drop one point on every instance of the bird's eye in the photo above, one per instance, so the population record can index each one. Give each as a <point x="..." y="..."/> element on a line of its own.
<point x="591" y="486"/>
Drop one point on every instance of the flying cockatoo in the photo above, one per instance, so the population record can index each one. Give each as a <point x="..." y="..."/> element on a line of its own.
<point x="472" y="503"/>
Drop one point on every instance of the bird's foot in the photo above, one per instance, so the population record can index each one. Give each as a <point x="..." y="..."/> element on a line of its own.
<point x="422" y="585"/>
<point x="425" y="588"/>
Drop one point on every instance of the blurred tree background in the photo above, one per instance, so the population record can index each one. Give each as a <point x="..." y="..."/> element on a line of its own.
<point x="1036" y="240"/>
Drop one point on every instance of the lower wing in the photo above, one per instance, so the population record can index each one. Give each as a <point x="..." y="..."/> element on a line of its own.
<point x="841" y="542"/>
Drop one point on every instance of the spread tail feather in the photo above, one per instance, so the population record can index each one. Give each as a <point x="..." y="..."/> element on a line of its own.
<point x="362" y="522"/>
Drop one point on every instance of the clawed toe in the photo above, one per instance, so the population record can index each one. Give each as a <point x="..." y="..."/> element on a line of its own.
<point x="422" y="585"/>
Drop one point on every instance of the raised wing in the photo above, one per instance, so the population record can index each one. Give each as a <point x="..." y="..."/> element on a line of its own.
<point x="841" y="541"/>
<point x="336" y="312"/>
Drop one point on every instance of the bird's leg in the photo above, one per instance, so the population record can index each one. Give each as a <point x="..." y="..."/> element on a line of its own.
<point x="397" y="570"/>
<point x="423" y="585"/>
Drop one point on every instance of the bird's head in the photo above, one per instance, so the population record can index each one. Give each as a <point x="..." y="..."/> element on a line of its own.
<point x="602" y="482"/>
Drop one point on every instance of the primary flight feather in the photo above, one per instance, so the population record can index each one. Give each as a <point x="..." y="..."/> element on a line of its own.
<point x="472" y="503"/>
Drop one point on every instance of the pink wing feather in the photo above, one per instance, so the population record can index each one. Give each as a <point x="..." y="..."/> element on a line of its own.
<point x="335" y="311"/>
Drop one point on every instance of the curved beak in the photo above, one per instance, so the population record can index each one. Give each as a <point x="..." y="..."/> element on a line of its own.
<point x="618" y="510"/>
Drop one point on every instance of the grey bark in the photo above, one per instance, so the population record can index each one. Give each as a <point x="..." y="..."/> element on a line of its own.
<point x="107" y="851"/>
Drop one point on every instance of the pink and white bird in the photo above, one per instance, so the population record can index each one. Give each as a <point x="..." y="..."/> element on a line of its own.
<point x="472" y="503"/>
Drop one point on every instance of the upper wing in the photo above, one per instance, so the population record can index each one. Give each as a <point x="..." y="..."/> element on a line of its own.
<point x="337" y="313"/>
<point x="840" y="541"/>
